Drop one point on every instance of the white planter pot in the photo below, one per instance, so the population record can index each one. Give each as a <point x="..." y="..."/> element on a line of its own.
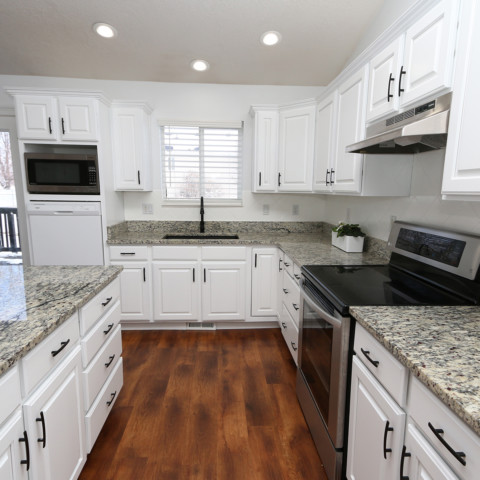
<point x="348" y="244"/>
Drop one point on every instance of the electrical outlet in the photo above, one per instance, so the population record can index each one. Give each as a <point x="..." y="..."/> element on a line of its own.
<point x="147" y="208"/>
<point x="295" y="210"/>
<point x="266" y="209"/>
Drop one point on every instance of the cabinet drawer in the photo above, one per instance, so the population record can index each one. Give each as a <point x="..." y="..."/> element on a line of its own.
<point x="389" y="371"/>
<point x="291" y="297"/>
<point x="289" y="332"/>
<point x="176" y="253"/>
<point x="9" y="382"/>
<point x="224" y="253"/>
<point x="44" y="357"/>
<point x="426" y="409"/>
<point x="99" y="369"/>
<point x="96" y="416"/>
<point x="128" y="253"/>
<point x="297" y="273"/>
<point x="99" y="334"/>
<point x="98" y="305"/>
<point x="288" y="264"/>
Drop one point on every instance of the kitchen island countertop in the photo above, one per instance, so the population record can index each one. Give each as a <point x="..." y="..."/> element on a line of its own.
<point x="34" y="301"/>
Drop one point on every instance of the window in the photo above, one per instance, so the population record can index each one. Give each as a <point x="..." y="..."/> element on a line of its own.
<point x="201" y="161"/>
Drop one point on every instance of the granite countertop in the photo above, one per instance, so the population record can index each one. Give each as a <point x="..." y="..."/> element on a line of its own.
<point x="439" y="345"/>
<point x="34" y="301"/>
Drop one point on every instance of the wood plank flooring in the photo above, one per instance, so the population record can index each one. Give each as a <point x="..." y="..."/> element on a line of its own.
<point x="217" y="405"/>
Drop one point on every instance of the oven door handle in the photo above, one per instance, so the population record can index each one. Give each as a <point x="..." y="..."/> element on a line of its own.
<point x="322" y="313"/>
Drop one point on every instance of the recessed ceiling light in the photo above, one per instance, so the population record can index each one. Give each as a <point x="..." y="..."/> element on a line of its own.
<point x="271" y="38"/>
<point x="105" y="30"/>
<point x="200" y="65"/>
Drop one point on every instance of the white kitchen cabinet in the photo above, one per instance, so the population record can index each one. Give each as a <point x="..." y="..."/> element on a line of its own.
<point x="54" y="421"/>
<point x="376" y="428"/>
<point x="296" y="148"/>
<point x="131" y="146"/>
<point x="417" y="65"/>
<point x="56" y="118"/>
<point x="223" y="290"/>
<point x="265" y="155"/>
<point x="289" y="331"/>
<point x="14" y="449"/>
<point x="264" y="286"/>
<point x="461" y="174"/>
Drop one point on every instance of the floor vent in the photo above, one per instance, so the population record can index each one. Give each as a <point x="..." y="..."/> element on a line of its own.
<point x="201" y="326"/>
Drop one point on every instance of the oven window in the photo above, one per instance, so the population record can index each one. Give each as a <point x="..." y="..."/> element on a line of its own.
<point x="317" y="336"/>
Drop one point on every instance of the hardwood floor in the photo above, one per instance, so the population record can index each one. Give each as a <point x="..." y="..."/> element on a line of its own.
<point x="205" y="405"/>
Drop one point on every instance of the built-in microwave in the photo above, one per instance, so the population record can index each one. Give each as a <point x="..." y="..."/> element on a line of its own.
<point x="57" y="173"/>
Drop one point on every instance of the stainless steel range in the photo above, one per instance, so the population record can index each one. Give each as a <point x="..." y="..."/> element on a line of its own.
<point x="428" y="266"/>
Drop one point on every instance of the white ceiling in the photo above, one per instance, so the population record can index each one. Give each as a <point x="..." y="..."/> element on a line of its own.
<point x="157" y="39"/>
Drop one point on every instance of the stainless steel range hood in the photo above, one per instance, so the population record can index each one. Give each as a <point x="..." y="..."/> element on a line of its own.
<point x="418" y="129"/>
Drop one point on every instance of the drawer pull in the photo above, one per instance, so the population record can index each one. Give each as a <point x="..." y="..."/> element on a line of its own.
<point x="107" y="301"/>
<point x="295" y="306"/>
<point x="111" y="357"/>
<point x="367" y="354"/>
<point x="27" y="450"/>
<point x="63" y="345"/>
<point x="294" y="346"/>
<point x="286" y="264"/>
<point x="127" y="253"/>
<point x="297" y="276"/>
<point x="42" y="440"/>
<point x="113" y="395"/>
<point x="107" y="331"/>
<point x="280" y="265"/>
<point x="404" y="455"/>
<point x="438" y="432"/>
<point x="285" y="291"/>
<point x="386" y="450"/>
<point x="284" y="325"/>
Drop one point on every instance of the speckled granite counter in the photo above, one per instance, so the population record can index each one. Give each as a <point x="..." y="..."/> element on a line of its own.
<point x="34" y="301"/>
<point x="440" y="346"/>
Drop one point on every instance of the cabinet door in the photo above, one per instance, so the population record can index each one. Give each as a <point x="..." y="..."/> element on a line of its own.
<point x="295" y="155"/>
<point x="376" y="429"/>
<point x="13" y="449"/>
<point x="419" y="459"/>
<point x="223" y="291"/>
<point x="265" y="151"/>
<point x="324" y="143"/>
<point x="78" y="118"/>
<point x="37" y="117"/>
<point x="347" y="169"/>
<point x="461" y="173"/>
<point x="383" y="78"/>
<point x="55" y="423"/>
<point x="429" y="54"/>
<point x="176" y="291"/>
<point x="135" y="287"/>
<point x="264" y="286"/>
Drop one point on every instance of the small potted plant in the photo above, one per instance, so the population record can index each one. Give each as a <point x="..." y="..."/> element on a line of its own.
<point x="348" y="237"/>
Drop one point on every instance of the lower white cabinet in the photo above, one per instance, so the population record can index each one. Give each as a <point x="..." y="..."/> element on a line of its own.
<point x="376" y="428"/>
<point x="14" y="449"/>
<point x="54" y="422"/>
<point x="264" y="286"/>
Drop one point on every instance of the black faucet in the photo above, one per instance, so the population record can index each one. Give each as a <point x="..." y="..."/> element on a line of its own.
<point x="202" y="212"/>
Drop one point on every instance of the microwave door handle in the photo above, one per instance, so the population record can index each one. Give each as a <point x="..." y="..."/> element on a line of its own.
<point x="63" y="212"/>
<point x="322" y="313"/>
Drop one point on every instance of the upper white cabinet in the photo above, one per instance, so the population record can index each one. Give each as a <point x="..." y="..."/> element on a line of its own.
<point x="418" y="64"/>
<point x="131" y="146"/>
<point x="296" y="147"/>
<point x="461" y="175"/>
<point x="57" y="118"/>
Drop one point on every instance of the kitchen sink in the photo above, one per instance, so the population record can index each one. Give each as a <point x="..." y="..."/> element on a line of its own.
<point x="193" y="236"/>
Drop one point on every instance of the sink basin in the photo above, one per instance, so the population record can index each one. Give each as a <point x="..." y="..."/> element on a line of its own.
<point x="193" y="236"/>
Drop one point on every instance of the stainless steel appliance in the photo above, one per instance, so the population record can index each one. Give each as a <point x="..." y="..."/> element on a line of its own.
<point x="428" y="266"/>
<point x="58" y="173"/>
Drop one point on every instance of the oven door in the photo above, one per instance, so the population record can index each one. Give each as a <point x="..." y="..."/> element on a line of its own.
<point x="323" y="359"/>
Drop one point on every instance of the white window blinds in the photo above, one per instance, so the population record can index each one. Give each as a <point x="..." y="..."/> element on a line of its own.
<point x="201" y="161"/>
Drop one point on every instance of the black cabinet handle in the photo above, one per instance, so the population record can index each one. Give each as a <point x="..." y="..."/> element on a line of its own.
<point x="390" y="81"/>
<point x="110" y="358"/>
<point x="193" y="271"/>
<point x="255" y="260"/>
<point x="296" y="276"/>
<point x="402" y="72"/>
<point x="27" y="450"/>
<point x="280" y="265"/>
<point x="295" y="306"/>
<point x="405" y="454"/>
<point x="286" y="264"/>
<point x="294" y="346"/>
<point x="42" y="440"/>
<point x="386" y="450"/>
<point x="285" y="291"/>
<point x="279" y="177"/>
<point x="112" y="399"/>
<point x="63" y="126"/>
<point x="367" y="354"/>
<point x="107" y="301"/>
<point x="332" y="181"/>
<point x="109" y="327"/>
<point x="326" y="177"/>
<point x="63" y="345"/>
<point x="259" y="179"/>
<point x="284" y="325"/>
<point x="204" y="275"/>
<point x="144" y="275"/>
<point x="50" y="124"/>
<point x="127" y="253"/>
<point x="438" y="432"/>
<point x="138" y="176"/>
